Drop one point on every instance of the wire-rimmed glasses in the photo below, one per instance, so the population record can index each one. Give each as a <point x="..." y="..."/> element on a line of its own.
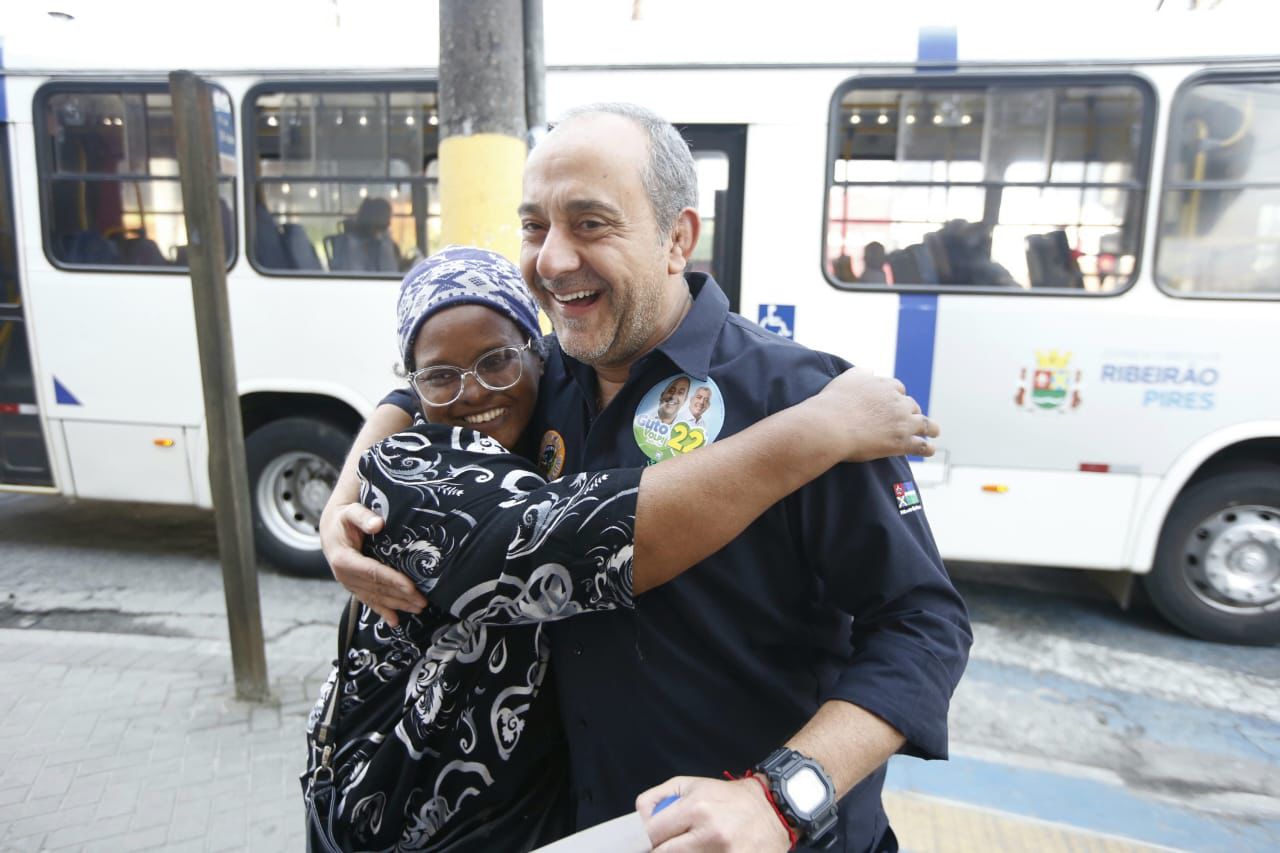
<point x="442" y="384"/>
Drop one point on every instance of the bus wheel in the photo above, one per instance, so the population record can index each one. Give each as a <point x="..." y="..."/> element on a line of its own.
<point x="293" y="466"/>
<point x="1217" y="569"/>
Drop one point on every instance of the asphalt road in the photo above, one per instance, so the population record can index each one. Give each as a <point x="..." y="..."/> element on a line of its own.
<point x="1071" y="710"/>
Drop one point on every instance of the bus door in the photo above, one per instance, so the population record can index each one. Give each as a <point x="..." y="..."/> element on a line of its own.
<point x="720" y="152"/>
<point x="24" y="460"/>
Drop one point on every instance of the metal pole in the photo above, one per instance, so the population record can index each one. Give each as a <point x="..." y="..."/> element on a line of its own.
<point x="535" y="72"/>
<point x="482" y="122"/>
<point x="198" y="153"/>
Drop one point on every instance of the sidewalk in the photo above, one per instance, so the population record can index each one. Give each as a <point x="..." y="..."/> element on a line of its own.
<point x="125" y="742"/>
<point x="121" y="742"/>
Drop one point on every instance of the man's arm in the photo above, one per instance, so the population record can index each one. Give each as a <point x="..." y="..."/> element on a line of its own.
<point x="583" y="529"/>
<point x="857" y="416"/>
<point x="344" y="523"/>
<point x="711" y="814"/>
<point x="910" y="641"/>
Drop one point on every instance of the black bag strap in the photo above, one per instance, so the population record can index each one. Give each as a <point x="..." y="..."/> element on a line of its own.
<point x="325" y="732"/>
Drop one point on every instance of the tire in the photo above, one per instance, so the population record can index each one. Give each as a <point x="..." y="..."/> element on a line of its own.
<point x="293" y="465"/>
<point x="1217" y="568"/>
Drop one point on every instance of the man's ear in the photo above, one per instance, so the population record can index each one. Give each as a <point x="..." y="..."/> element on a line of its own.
<point x="684" y="237"/>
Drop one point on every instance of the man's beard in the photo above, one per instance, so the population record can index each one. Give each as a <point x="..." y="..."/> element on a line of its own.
<point x="631" y="325"/>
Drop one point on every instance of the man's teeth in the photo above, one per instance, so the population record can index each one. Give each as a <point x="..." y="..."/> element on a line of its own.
<point x="485" y="417"/>
<point x="573" y="297"/>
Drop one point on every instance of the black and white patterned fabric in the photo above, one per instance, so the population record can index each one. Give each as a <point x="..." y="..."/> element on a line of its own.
<point x="448" y="736"/>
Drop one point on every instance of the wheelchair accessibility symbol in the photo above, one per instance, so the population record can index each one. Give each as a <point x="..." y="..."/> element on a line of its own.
<point x="779" y="319"/>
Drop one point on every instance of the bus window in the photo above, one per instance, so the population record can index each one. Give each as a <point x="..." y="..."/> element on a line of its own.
<point x="109" y="176"/>
<point x="1220" y="213"/>
<point x="344" y="179"/>
<point x="1005" y="184"/>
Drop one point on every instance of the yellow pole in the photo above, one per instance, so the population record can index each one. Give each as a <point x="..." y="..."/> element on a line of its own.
<point x="482" y="123"/>
<point x="480" y="191"/>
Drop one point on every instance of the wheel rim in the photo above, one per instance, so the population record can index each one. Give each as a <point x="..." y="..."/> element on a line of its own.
<point x="292" y="492"/>
<point x="1232" y="559"/>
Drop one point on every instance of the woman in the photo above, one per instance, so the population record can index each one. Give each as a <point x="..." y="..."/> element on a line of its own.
<point x="447" y="735"/>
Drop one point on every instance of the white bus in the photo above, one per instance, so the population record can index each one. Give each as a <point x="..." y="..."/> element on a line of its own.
<point x="1066" y="241"/>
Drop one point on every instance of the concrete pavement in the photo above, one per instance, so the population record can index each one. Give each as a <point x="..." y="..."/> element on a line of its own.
<point x="123" y="742"/>
<point x="1076" y="727"/>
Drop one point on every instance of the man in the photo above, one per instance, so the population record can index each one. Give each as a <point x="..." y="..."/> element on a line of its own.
<point x="672" y="399"/>
<point x="698" y="407"/>
<point x="809" y="650"/>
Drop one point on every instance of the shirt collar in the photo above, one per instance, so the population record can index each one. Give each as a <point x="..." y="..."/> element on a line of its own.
<point x="690" y="346"/>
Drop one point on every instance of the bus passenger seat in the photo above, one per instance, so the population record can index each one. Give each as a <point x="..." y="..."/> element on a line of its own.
<point x="842" y="268"/>
<point x="139" y="250"/>
<point x="1051" y="263"/>
<point x="938" y="254"/>
<point x="362" y="244"/>
<point x="298" y="250"/>
<point x="904" y="267"/>
<point x="268" y="249"/>
<point x="85" y="247"/>
<point x="924" y="263"/>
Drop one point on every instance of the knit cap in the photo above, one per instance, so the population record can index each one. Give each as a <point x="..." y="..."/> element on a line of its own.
<point x="462" y="275"/>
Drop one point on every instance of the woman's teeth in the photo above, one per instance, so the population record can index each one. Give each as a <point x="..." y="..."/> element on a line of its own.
<point x="485" y="417"/>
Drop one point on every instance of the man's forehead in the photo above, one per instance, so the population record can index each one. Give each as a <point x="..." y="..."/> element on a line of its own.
<point x="594" y="141"/>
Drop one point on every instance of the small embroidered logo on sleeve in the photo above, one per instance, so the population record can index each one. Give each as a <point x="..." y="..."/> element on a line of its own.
<point x="908" y="497"/>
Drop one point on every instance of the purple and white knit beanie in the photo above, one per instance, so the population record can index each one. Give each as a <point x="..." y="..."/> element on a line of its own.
<point x="463" y="275"/>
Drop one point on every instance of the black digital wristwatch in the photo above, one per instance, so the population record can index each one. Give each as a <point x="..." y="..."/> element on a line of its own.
<point x="803" y="793"/>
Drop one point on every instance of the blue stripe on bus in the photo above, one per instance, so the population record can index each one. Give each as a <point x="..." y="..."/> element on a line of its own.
<point x="917" y="331"/>
<point x="937" y="44"/>
<point x="918" y="312"/>
<point x="4" y="102"/>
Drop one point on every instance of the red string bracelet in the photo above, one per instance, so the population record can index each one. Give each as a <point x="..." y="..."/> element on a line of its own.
<point x="792" y="835"/>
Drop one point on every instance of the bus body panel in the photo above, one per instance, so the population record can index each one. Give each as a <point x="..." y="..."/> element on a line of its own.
<point x="1050" y="518"/>
<point x="1141" y="387"/>
<point x="110" y="460"/>
<point x="284" y="344"/>
<point x="1162" y="491"/>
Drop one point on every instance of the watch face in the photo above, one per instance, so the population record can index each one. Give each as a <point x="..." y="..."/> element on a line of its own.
<point x="806" y="792"/>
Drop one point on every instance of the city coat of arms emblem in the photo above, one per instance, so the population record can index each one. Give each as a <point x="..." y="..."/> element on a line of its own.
<point x="1051" y="385"/>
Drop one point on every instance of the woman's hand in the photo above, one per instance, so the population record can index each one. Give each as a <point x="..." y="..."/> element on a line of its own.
<point x="342" y="531"/>
<point x="871" y="417"/>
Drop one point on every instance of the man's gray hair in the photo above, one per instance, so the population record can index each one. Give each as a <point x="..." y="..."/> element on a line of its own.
<point x="669" y="178"/>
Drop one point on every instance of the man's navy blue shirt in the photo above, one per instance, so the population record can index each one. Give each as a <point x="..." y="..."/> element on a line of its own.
<point x="837" y="592"/>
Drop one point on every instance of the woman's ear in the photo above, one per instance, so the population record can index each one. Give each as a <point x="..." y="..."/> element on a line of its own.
<point x="684" y="237"/>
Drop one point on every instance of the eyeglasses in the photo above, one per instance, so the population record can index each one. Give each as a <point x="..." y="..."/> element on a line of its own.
<point x="497" y="370"/>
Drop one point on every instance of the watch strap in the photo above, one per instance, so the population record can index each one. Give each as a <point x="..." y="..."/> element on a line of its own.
<point x="781" y="764"/>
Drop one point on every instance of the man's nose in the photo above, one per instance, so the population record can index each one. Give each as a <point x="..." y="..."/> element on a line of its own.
<point x="558" y="256"/>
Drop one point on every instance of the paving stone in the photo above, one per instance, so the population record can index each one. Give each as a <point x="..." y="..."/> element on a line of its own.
<point x="228" y="831"/>
<point x="13" y="794"/>
<point x="87" y="790"/>
<point x="120" y="798"/>
<point x="132" y="840"/>
<point x="52" y="781"/>
<point x="154" y="808"/>
<point x="48" y="822"/>
<point x="133" y="756"/>
<point x="80" y="752"/>
<point x="78" y="835"/>
<point x="190" y="820"/>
